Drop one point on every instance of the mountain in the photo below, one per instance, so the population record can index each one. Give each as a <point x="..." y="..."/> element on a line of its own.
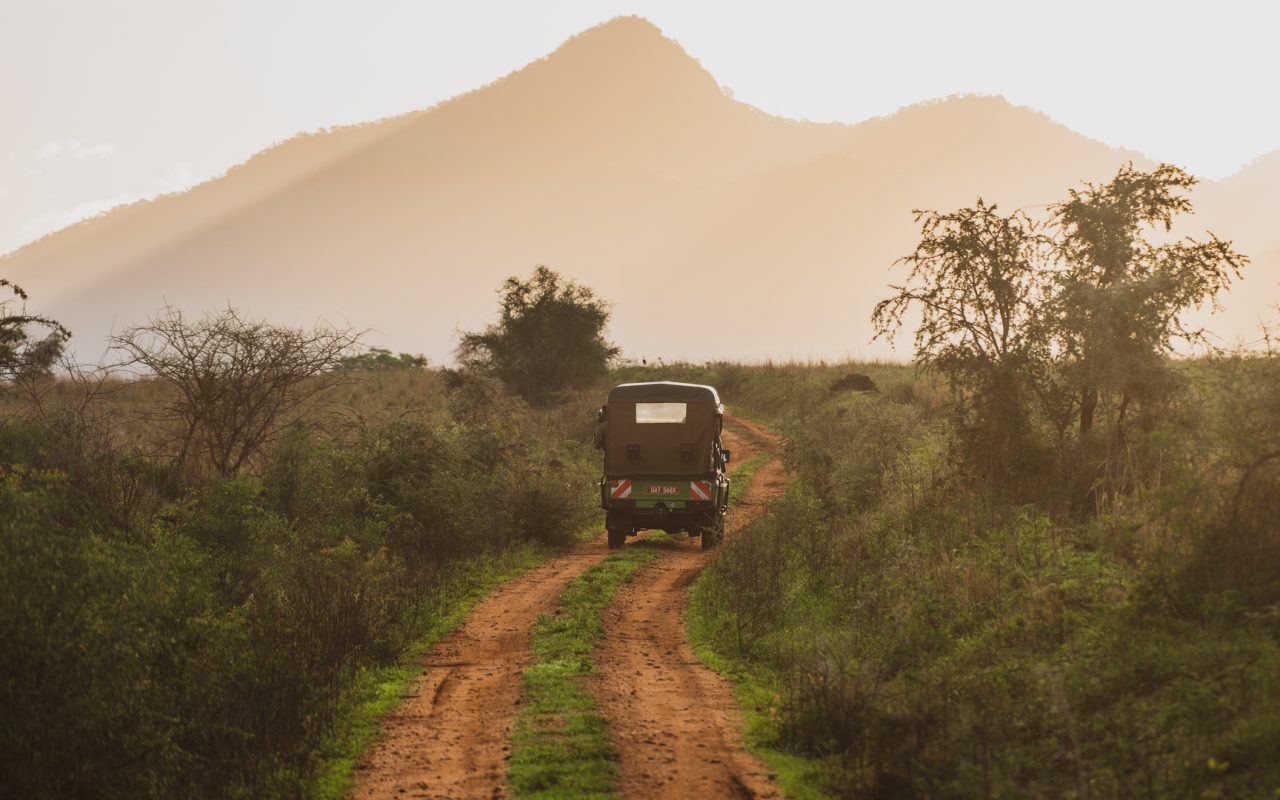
<point x="717" y="230"/>
<point x="1246" y="201"/>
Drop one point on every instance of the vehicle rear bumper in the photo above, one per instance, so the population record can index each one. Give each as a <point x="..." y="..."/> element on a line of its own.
<point x="663" y="496"/>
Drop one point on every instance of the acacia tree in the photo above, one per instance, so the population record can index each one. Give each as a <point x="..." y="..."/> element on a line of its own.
<point x="1082" y="313"/>
<point x="236" y="382"/>
<point x="1119" y="297"/>
<point x="977" y="280"/>
<point x="549" y="337"/>
<point x="21" y="354"/>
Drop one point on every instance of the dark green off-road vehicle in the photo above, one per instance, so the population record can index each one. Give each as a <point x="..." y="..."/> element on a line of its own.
<point x="664" y="466"/>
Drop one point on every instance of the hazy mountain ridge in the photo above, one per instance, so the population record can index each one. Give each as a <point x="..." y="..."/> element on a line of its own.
<point x="617" y="159"/>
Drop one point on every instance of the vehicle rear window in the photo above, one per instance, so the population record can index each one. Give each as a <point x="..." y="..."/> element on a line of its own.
<point x="660" y="412"/>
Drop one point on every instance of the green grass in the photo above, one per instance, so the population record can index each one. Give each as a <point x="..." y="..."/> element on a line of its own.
<point x="377" y="692"/>
<point x="746" y="470"/>
<point x="560" y="747"/>
<point x="756" y="690"/>
<point x="754" y="687"/>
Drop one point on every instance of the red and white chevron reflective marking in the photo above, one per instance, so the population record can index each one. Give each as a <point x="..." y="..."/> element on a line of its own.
<point x="619" y="490"/>
<point x="700" y="490"/>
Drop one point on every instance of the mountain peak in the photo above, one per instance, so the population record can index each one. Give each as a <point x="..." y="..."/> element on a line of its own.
<point x="617" y="74"/>
<point x="631" y="46"/>
<point x="629" y="29"/>
<point x="625" y="22"/>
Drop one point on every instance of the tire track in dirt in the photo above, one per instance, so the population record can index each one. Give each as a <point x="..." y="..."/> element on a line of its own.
<point x="451" y="737"/>
<point x="673" y="721"/>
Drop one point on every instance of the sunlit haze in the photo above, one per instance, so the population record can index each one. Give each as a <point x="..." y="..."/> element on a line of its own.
<point x="112" y="101"/>
<point x="663" y="158"/>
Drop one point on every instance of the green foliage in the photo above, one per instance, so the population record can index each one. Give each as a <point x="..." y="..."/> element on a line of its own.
<point x="977" y="277"/>
<point x="561" y="743"/>
<point x="549" y="337"/>
<point x="21" y="355"/>
<point x="1052" y="324"/>
<point x="217" y="640"/>
<point x="101" y="637"/>
<point x="376" y="690"/>
<point x="1237" y="549"/>
<point x="381" y="358"/>
<point x="1118" y="297"/>
<point x="897" y="629"/>
<point x="977" y="259"/>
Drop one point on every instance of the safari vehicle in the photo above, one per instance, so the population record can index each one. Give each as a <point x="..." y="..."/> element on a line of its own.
<point x="664" y="466"/>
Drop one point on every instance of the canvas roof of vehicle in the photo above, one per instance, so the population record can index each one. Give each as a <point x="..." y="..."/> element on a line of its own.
<point x="633" y="447"/>
<point x="663" y="392"/>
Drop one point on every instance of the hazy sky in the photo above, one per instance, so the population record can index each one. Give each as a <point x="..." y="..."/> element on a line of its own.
<point x="106" y="101"/>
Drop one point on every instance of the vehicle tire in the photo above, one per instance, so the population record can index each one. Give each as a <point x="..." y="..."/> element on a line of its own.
<point x="714" y="535"/>
<point x="617" y="538"/>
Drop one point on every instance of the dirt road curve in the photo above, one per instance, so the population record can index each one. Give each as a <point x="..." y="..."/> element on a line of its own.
<point x="674" y="722"/>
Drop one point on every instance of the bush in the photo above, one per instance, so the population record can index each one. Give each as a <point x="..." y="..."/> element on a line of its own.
<point x="204" y="640"/>
<point x="101" y="637"/>
<point x="549" y="338"/>
<point x="924" y="636"/>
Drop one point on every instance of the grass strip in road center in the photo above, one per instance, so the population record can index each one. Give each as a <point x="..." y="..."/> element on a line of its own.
<point x="560" y="747"/>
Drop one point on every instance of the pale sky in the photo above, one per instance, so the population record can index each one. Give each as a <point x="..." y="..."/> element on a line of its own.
<point x="108" y="101"/>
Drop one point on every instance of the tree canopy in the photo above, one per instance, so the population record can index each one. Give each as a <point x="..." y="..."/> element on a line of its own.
<point x="1119" y="297"/>
<point x="380" y="358"/>
<point x="976" y="279"/>
<point x="23" y="354"/>
<point x="1079" y="311"/>
<point x="236" y="381"/>
<point x="549" y="337"/>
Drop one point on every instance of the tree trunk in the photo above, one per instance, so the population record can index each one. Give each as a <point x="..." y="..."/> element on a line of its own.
<point x="1088" y="403"/>
<point x="1124" y="408"/>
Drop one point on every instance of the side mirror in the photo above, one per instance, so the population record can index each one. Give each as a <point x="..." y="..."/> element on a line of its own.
<point x="724" y="456"/>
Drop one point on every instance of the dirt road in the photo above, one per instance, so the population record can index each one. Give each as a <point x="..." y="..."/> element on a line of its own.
<point x="674" y="722"/>
<point x="450" y="739"/>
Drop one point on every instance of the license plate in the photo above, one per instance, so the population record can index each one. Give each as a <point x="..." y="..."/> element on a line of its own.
<point x="662" y="490"/>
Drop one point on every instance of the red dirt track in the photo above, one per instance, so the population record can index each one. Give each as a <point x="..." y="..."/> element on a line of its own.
<point x="673" y="721"/>
<point x="450" y="739"/>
